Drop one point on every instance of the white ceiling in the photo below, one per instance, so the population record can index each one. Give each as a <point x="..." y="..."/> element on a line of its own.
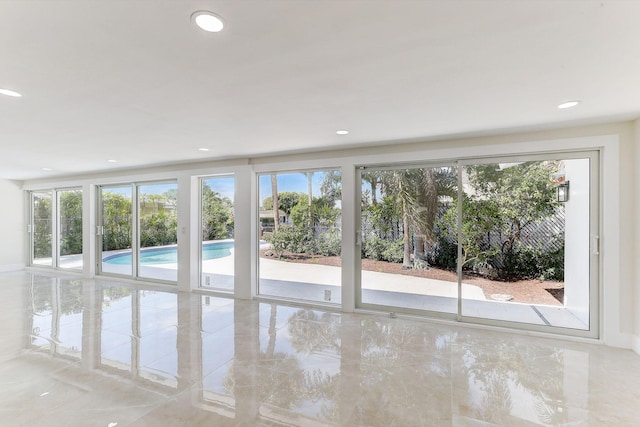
<point x="135" y="81"/>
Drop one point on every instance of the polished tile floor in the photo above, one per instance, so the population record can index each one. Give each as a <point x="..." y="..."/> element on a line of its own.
<point x="101" y="353"/>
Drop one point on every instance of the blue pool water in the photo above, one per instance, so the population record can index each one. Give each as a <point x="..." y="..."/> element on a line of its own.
<point x="170" y="255"/>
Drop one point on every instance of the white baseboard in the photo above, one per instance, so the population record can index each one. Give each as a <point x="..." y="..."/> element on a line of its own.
<point x="620" y="340"/>
<point x="635" y="343"/>
<point x="11" y="267"/>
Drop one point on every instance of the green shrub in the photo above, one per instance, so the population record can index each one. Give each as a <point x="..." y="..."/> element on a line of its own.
<point x="380" y="249"/>
<point x="394" y="251"/>
<point x="445" y="254"/>
<point x="290" y="238"/>
<point x="373" y="248"/>
<point x="329" y="243"/>
<point x="525" y="262"/>
<point x="158" y="229"/>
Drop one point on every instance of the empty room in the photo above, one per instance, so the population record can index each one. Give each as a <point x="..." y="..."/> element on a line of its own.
<point x="319" y="213"/>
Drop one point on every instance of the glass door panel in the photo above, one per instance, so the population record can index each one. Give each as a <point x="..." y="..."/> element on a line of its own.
<point x="42" y="229"/>
<point x="157" y="230"/>
<point x="116" y="217"/>
<point x="408" y="253"/>
<point x="217" y="252"/>
<point x="70" y="229"/>
<point x="528" y="252"/>
<point x="300" y="235"/>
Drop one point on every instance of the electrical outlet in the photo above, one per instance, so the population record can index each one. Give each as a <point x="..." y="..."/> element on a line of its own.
<point x="207" y="300"/>
<point x="207" y="281"/>
<point x="327" y="295"/>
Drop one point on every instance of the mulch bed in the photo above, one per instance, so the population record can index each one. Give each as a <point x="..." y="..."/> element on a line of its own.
<point x="532" y="291"/>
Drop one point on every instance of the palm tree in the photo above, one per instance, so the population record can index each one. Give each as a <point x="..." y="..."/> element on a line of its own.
<point x="415" y="193"/>
<point x="401" y="185"/>
<point x="431" y="184"/>
<point x="427" y="194"/>
<point x="374" y="178"/>
<point x="310" y="194"/>
<point x="331" y="186"/>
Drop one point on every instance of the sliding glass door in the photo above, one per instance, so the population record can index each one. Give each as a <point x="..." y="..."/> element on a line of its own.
<point x="56" y="229"/>
<point x="138" y="230"/>
<point x="507" y="240"/>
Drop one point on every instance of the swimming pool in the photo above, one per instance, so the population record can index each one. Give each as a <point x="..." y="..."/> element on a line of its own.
<point x="169" y="255"/>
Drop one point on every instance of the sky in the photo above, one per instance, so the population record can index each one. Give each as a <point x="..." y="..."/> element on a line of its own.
<point x="294" y="182"/>
<point x="225" y="185"/>
<point x="125" y="189"/>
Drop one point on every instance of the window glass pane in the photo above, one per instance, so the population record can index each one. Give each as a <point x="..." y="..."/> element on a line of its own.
<point x="117" y="235"/>
<point x="408" y="247"/>
<point x="158" y="224"/>
<point x="41" y="229"/>
<point x="217" y="256"/>
<point x="527" y="251"/>
<point x="70" y="229"/>
<point x="301" y="235"/>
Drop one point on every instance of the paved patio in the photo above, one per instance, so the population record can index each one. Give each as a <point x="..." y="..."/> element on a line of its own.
<point x="310" y="282"/>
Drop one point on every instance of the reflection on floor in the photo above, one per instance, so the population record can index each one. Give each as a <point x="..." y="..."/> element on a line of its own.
<point x="83" y="352"/>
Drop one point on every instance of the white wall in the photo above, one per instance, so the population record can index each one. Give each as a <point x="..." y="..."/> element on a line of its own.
<point x="12" y="226"/>
<point x="13" y="335"/>
<point x="635" y="307"/>
<point x="576" y="238"/>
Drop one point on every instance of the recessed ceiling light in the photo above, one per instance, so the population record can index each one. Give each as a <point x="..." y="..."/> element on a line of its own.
<point x="342" y="132"/>
<point x="568" y="104"/>
<point x="47" y="169"/>
<point x="10" y="93"/>
<point x="112" y="161"/>
<point x="207" y="21"/>
<point x="203" y="149"/>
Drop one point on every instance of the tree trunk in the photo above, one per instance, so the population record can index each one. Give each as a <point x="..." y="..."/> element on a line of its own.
<point x="406" y="258"/>
<point x="276" y="207"/>
<point x="374" y="190"/>
<point x="310" y="194"/>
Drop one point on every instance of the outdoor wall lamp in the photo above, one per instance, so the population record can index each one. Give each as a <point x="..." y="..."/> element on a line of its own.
<point x="563" y="192"/>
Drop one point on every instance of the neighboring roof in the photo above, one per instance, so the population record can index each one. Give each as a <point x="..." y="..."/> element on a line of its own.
<point x="269" y="213"/>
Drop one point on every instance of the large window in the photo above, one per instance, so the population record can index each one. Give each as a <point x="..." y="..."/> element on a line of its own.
<point x="503" y="240"/>
<point x="300" y="235"/>
<point x="138" y="231"/>
<point x="217" y="225"/>
<point x="56" y="228"/>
